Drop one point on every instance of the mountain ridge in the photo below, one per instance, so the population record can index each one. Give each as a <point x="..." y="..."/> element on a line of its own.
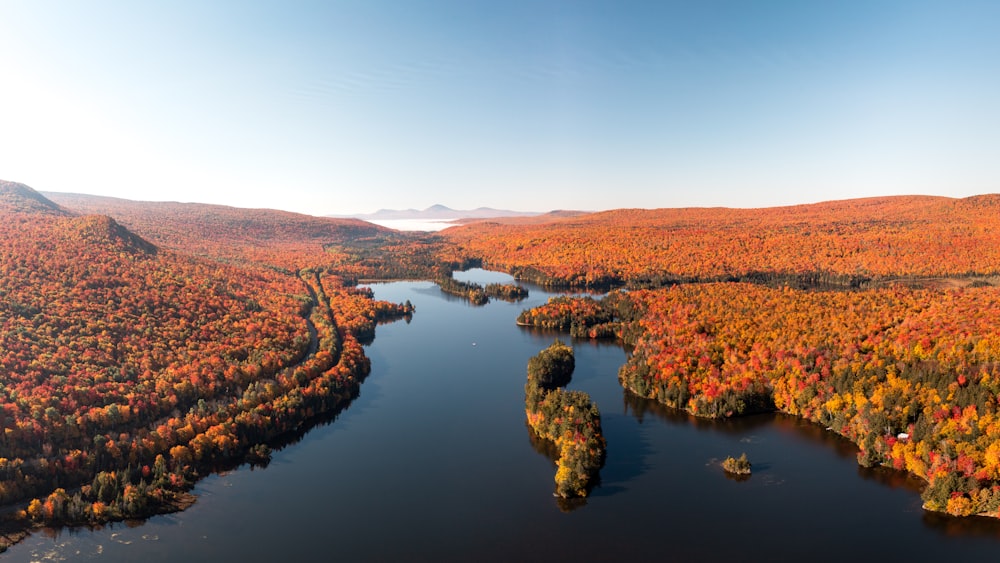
<point x="15" y="196"/>
<point x="263" y="236"/>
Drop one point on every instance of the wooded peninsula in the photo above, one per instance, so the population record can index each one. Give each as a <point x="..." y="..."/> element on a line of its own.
<point x="145" y="345"/>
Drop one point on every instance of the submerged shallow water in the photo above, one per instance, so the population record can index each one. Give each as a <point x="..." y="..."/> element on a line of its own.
<point x="433" y="461"/>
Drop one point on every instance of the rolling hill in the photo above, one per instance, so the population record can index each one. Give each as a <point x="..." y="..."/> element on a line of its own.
<point x="262" y="236"/>
<point x="840" y="242"/>
<point x="128" y="369"/>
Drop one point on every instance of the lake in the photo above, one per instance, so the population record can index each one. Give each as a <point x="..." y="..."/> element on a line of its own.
<point x="433" y="462"/>
<point x="416" y="224"/>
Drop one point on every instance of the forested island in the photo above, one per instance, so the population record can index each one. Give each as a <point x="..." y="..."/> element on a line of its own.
<point x="143" y="346"/>
<point x="478" y="294"/>
<point x="568" y="419"/>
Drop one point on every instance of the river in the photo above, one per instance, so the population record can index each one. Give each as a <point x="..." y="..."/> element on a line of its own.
<point x="433" y="462"/>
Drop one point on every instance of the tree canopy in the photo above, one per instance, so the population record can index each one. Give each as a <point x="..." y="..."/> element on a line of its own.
<point x="552" y="367"/>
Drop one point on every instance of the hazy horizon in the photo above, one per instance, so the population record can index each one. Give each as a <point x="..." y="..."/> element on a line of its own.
<point x="347" y="107"/>
<point x="459" y="211"/>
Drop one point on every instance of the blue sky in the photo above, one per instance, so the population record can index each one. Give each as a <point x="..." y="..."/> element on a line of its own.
<point x="351" y="106"/>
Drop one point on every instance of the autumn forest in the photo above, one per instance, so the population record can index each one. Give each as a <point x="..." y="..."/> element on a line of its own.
<point x="145" y="345"/>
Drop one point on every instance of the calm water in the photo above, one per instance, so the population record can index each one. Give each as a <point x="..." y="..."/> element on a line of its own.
<point x="433" y="462"/>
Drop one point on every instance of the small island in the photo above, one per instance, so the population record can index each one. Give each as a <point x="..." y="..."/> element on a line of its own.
<point x="479" y="295"/>
<point x="737" y="466"/>
<point x="569" y="419"/>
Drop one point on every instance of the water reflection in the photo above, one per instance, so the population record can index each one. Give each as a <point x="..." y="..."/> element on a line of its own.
<point x="549" y="333"/>
<point x="892" y="478"/>
<point x="738" y="477"/>
<point x="973" y="526"/>
<point x="567" y="505"/>
<point x="548" y="449"/>
<point x="843" y="448"/>
<point x="840" y="445"/>
<point x="435" y="291"/>
<point x="639" y="407"/>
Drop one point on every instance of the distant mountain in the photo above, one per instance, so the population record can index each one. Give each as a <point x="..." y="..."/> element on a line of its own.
<point x="438" y="213"/>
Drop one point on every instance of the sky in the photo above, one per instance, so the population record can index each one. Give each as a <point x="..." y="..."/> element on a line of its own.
<point x="341" y="107"/>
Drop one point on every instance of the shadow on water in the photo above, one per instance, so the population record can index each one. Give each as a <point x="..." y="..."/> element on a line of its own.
<point x="738" y="477"/>
<point x="548" y="449"/>
<point x="971" y="526"/>
<point x="576" y="341"/>
<point x="545" y="447"/>
<point x="840" y="445"/>
<point x="640" y="408"/>
<point x="551" y="333"/>
<point x="568" y="505"/>
<point x="296" y="435"/>
<point x="434" y="290"/>
<point x="627" y="454"/>
<point x="891" y="478"/>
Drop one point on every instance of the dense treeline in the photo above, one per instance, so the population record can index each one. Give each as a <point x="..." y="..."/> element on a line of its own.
<point x="128" y="370"/>
<point x="586" y="317"/>
<point x="847" y="243"/>
<point x="552" y="367"/>
<point x="569" y="419"/>
<point x="506" y="291"/>
<point x="478" y="294"/>
<point x="911" y="376"/>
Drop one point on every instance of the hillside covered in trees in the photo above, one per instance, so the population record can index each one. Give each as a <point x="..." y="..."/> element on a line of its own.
<point x="257" y="236"/>
<point x="288" y="242"/>
<point x="845" y="243"/>
<point x="143" y="345"/>
<point x="129" y="369"/>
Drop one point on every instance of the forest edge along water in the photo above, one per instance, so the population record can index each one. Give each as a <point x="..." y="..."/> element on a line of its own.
<point x="434" y="461"/>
